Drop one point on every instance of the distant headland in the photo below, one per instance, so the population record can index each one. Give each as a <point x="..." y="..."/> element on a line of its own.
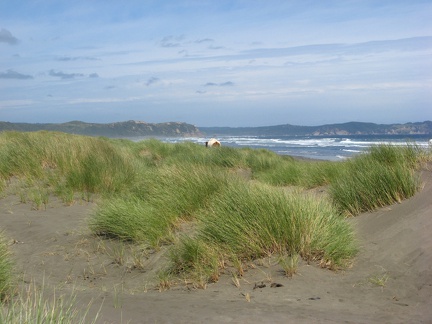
<point x="351" y="128"/>
<point x="129" y="128"/>
<point x="133" y="128"/>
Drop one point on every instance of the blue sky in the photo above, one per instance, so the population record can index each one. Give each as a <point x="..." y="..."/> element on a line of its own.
<point x="216" y="63"/>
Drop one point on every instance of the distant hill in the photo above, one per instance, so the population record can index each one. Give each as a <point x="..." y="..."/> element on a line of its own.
<point x="351" y="128"/>
<point x="129" y="128"/>
<point x="133" y="128"/>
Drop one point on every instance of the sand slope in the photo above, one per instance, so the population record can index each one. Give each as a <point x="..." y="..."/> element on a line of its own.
<point x="390" y="280"/>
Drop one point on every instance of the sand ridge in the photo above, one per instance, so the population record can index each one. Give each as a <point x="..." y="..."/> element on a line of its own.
<point x="390" y="280"/>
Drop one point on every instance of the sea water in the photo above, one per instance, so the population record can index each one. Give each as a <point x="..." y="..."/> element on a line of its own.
<point x="333" y="148"/>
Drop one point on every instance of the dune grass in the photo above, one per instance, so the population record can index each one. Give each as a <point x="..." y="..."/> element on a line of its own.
<point x="253" y="221"/>
<point x="6" y="265"/>
<point x="150" y="190"/>
<point x="34" y="305"/>
<point x="172" y="196"/>
<point x="306" y="174"/>
<point x="382" y="177"/>
<point x="62" y="160"/>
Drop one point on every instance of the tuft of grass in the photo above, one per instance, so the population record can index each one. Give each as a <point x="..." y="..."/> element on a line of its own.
<point x="195" y="259"/>
<point x="379" y="280"/>
<point x="67" y="195"/>
<point x="23" y="196"/>
<point x="289" y="264"/>
<point x="253" y="221"/>
<point x="40" y="197"/>
<point x="6" y="265"/>
<point x="165" y="280"/>
<point x="235" y="280"/>
<point x="127" y="219"/>
<point x="385" y="176"/>
<point x="184" y="189"/>
<point x="173" y="194"/>
<point x="34" y="306"/>
<point x="102" y="169"/>
<point x="3" y="185"/>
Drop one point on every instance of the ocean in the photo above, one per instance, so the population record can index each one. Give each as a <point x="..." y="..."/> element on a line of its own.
<point x="333" y="148"/>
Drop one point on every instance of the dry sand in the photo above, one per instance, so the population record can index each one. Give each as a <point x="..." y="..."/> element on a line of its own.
<point x="390" y="280"/>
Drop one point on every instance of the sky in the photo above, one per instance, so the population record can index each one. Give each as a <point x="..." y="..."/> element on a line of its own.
<point x="216" y="62"/>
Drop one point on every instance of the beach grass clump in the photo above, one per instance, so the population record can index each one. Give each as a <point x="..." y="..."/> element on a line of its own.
<point x="318" y="173"/>
<point x="408" y="154"/>
<point x="129" y="219"/>
<point x="184" y="189"/>
<point x="196" y="260"/>
<point x="384" y="176"/>
<point x="34" y="305"/>
<point x="254" y="221"/>
<point x="102" y="169"/>
<point x="6" y="266"/>
<point x="173" y="195"/>
<point x="19" y="156"/>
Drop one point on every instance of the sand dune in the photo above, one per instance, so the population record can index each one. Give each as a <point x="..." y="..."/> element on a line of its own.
<point x="390" y="280"/>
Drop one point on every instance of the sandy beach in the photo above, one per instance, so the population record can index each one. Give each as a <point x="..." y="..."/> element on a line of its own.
<point x="390" y="280"/>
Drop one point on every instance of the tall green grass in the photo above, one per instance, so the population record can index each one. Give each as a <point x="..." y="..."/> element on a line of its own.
<point x="173" y="195"/>
<point x="306" y="174"/>
<point x="253" y="221"/>
<point x="76" y="162"/>
<point x="6" y="265"/>
<point x="387" y="174"/>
